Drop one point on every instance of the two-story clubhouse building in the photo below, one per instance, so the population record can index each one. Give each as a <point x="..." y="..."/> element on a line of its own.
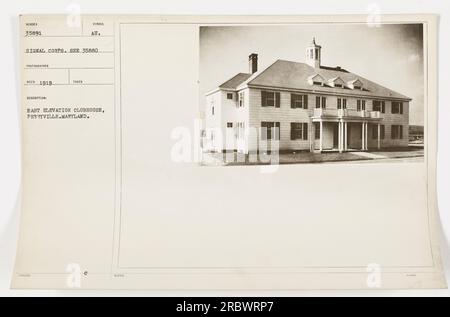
<point x="305" y="106"/>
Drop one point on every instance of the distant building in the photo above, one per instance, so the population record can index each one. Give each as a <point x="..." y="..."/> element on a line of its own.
<point x="305" y="106"/>
<point x="416" y="133"/>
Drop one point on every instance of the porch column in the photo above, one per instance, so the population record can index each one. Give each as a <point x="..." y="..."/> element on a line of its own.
<point x="362" y="136"/>
<point x="311" y="136"/>
<point x="379" y="137"/>
<point x="321" y="136"/>
<point x="345" y="136"/>
<point x="340" y="136"/>
<point x="366" y="130"/>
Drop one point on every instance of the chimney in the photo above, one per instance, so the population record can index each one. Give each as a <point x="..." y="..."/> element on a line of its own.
<point x="253" y="63"/>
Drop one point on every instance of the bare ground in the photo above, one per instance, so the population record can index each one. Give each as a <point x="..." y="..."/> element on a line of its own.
<point x="410" y="154"/>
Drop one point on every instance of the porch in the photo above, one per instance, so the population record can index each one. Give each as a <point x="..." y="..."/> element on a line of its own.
<point x="342" y="130"/>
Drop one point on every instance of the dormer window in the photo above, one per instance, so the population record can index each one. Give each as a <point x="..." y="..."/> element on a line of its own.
<point x="336" y="82"/>
<point x="316" y="80"/>
<point x="355" y="84"/>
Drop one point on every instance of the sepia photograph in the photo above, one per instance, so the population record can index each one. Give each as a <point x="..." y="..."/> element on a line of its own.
<point x="312" y="93"/>
<point x="234" y="153"/>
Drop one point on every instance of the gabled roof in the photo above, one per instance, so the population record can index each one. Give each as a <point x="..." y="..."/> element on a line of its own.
<point x="316" y="77"/>
<point x="336" y="80"/>
<point x="235" y="81"/>
<point x="293" y="75"/>
<point x="354" y="81"/>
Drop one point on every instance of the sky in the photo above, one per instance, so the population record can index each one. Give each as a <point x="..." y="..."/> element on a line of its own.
<point x="390" y="55"/>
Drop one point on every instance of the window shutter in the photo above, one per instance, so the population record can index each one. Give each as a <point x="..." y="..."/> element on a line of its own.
<point x="292" y="131"/>
<point x="277" y="130"/>
<point x="305" y="131"/>
<point x="277" y="100"/>
<point x="263" y="99"/>
<point x="400" y="128"/>
<point x="401" y="107"/>
<point x="263" y="131"/>
<point x="317" y="102"/>
<point x="305" y="102"/>
<point x="383" y="108"/>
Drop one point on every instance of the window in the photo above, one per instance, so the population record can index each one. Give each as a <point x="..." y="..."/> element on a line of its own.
<point x="229" y="124"/>
<point x="396" y="132"/>
<point x="230" y="95"/>
<point x="270" y="130"/>
<point x="212" y="110"/>
<point x="241" y="100"/>
<point x="379" y="106"/>
<point x="397" y="107"/>
<point x="357" y="87"/>
<point x="299" y="101"/>
<point x="319" y="83"/>
<point x="338" y="85"/>
<point x="299" y="131"/>
<point x="360" y="105"/>
<point x="317" y="131"/>
<point x="342" y="103"/>
<point x="321" y="102"/>
<point x="375" y="132"/>
<point x="270" y="99"/>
